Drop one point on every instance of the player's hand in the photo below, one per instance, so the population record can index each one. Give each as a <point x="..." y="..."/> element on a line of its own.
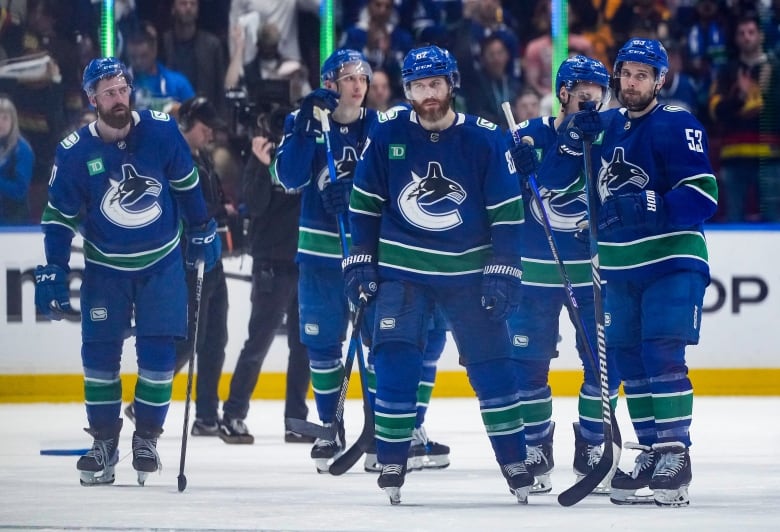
<point x="308" y="120"/>
<point x="335" y="196"/>
<point x="526" y="161"/>
<point x="52" y="297"/>
<point x="501" y="288"/>
<point x="360" y="276"/>
<point x="588" y="121"/>
<point x="631" y="211"/>
<point x="203" y="243"/>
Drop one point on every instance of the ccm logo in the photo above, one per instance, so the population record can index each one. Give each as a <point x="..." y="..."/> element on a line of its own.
<point x="203" y="239"/>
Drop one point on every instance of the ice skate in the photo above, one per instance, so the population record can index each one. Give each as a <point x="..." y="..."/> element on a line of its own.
<point x="145" y="457"/>
<point x="235" y="431"/>
<point x="672" y="474"/>
<point x="324" y="452"/>
<point x="586" y="458"/>
<point x="540" y="462"/>
<point x="97" y="466"/>
<point x="290" y="436"/>
<point x="204" y="428"/>
<point x="391" y="479"/>
<point x="625" y="486"/>
<point x="519" y="480"/>
<point x="426" y="453"/>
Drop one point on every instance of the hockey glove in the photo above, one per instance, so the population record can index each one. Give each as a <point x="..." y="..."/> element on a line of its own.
<point x="526" y="161"/>
<point x="335" y="196"/>
<point x="501" y="288"/>
<point x="52" y="297"/>
<point x="307" y="122"/>
<point x="204" y="244"/>
<point x="570" y="140"/>
<point x="360" y="276"/>
<point x="588" y="121"/>
<point x="632" y="211"/>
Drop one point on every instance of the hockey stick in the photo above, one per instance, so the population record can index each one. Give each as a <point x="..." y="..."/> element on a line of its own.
<point x="611" y="431"/>
<point x="612" y="441"/>
<point x="182" y="480"/>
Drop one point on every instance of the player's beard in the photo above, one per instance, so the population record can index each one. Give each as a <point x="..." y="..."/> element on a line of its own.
<point x="432" y="114"/>
<point x="637" y="101"/>
<point x="116" y="117"/>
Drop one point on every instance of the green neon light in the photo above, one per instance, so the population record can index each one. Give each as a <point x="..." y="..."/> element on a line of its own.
<point x="560" y="43"/>
<point x="107" y="31"/>
<point x="327" y="30"/>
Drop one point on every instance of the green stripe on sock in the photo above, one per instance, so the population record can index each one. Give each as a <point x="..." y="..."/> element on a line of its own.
<point x="424" y="392"/>
<point x="640" y="407"/>
<point x="504" y="420"/>
<point x="538" y="411"/>
<point x="102" y="391"/>
<point x="394" y="428"/>
<point x="324" y="381"/>
<point x="156" y="393"/>
<point x="673" y="406"/>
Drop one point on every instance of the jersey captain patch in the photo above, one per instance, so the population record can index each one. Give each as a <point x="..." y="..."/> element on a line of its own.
<point x="427" y="202"/>
<point x="132" y="202"/>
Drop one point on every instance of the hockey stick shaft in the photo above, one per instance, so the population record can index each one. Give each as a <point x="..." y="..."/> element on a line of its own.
<point x="182" y="479"/>
<point x="612" y="440"/>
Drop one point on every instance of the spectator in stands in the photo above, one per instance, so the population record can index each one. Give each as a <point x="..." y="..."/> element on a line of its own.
<point x="679" y="88"/>
<point x="488" y="18"/>
<point x="380" y="95"/>
<point x="16" y="165"/>
<point x="707" y="43"/>
<point x="155" y="86"/>
<point x="197" y="54"/>
<point x="744" y="101"/>
<point x="492" y="85"/>
<point x="268" y="64"/>
<point x="527" y="105"/>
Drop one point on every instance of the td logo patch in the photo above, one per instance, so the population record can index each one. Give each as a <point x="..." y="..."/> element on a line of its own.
<point x="397" y="151"/>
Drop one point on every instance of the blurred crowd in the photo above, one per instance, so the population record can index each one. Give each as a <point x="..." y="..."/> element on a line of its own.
<point x="255" y="59"/>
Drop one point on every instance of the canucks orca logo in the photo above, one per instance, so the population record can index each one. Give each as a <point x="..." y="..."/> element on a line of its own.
<point x="618" y="174"/>
<point x="132" y="201"/>
<point x="426" y="202"/>
<point x="564" y="210"/>
<point x="345" y="167"/>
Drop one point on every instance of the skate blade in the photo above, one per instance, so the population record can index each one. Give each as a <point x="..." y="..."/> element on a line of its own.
<point x="323" y="464"/>
<point x="97" y="478"/>
<point x="371" y="465"/>
<point x="142" y="476"/>
<point x="629" y="497"/>
<point x="672" y="498"/>
<point x="542" y="484"/>
<point x="414" y="463"/>
<point x="521" y="494"/>
<point x="435" y="462"/>
<point x="394" y="493"/>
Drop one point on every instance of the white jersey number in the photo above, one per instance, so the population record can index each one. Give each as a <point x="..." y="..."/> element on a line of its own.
<point x="694" y="137"/>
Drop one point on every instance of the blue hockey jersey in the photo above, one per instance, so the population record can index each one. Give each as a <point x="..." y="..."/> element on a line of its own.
<point x="124" y="197"/>
<point x="435" y="205"/>
<point x="565" y="208"/>
<point x="302" y="165"/>
<point x="665" y="151"/>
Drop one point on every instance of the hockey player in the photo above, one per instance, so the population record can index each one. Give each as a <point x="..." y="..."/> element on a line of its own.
<point x="435" y="215"/>
<point x="125" y="182"/>
<point x="534" y="327"/>
<point x="301" y="164"/>
<point x="656" y="188"/>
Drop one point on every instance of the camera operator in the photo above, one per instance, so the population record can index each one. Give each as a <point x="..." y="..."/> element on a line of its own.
<point x="274" y="236"/>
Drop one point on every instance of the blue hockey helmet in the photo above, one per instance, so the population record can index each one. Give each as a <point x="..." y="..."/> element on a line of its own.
<point x="430" y="61"/>
<point x="580" y="69"/>
<point x="103" y="68"/>
<point x="332" y="66"/>
<point x="648" y="51"/>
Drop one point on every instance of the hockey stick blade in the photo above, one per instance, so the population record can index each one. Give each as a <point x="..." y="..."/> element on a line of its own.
<point x="344" y="463"/>
<point x="307" y="428"/>
<point x="64" y="452"/>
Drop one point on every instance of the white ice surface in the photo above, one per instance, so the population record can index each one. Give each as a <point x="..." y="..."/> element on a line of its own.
<point x="273" y="486"/>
